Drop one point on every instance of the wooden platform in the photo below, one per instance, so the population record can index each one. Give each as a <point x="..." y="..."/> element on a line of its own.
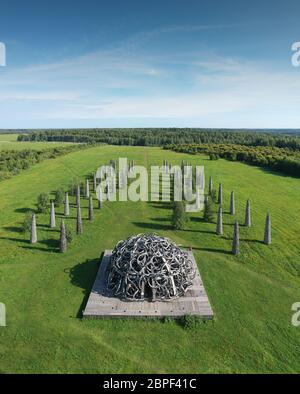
<point x="100" y="304"/>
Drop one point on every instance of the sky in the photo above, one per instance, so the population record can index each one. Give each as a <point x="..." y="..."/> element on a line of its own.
<point x="158" y="63"/>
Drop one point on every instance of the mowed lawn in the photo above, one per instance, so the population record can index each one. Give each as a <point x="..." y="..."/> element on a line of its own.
<point x="251" y="295"/>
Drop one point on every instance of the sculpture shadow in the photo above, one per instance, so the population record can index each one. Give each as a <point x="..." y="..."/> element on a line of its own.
<point x="197" y="219"/>
<point x="226" y="212"/>
<point x="52" y="245"/>
<point x="160" y="219"/>
<point x="44" y="226"/>
<point x="24" y="210"/>
<point x="59" y="215"/>
<point x="161" y="205"/>
<point x="83" y="275"/>
<point x="53" y="230"/>
<point x="16" y="239"/>
<point x="13" y="229"/>
<point x="38" y="248"/>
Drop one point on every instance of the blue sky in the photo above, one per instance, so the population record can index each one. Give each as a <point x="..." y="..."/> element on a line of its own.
<point x="148" y="64"/>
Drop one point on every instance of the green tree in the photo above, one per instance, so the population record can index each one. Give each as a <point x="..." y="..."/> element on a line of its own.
<point x="26" y="224"/>
<point x="69" y="234"/>
<point x="79" y="221"/>
<point x="209" y="209"/>
<point x="42" y="202"/>
<point x="213" y="195"/>
<point x="59" y="197"/>
<point x="72" y="188"/>
<point x="179" y="217"/>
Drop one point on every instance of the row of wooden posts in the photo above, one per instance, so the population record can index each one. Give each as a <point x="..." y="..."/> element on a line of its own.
<point x="79" y="226"/>
<point x="219" y="228"/>
<point x="248" y="223"/>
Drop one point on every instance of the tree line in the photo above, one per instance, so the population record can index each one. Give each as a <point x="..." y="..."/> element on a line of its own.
<point x="279" y="159"/>
<point x="167" y="136"/>
<point x="14" y="161"/>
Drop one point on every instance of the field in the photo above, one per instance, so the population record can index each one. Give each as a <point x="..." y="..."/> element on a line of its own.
<point x="9" y="142"/>
<point x="251" y="295"/>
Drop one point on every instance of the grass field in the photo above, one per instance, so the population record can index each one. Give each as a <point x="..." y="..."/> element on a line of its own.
<point x="9" y="142"/>
<point x="8" y="137"/>
<point x="251" y="295"/>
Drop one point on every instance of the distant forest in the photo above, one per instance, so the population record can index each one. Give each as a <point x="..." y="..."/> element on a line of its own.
<point x="278" y="149"/>
<point x="284" y="160"/>
<point x="166" y="136"/>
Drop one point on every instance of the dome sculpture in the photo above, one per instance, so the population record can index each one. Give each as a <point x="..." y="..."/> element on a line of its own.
<point x="149" y="267"/>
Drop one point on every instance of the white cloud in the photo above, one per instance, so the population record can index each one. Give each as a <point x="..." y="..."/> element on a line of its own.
<point x="124" y="84"/>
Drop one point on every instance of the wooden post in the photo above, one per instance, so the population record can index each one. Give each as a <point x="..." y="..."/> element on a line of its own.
<point x="219" y="229"/>
<point x="220" y="197"/>
<point x="67" y="206"/>
<point x="91" y="209"/>
<point x="248" y="214"/>
<point x="52" y="216"/>
<point x="87" y="189"/>
<point x="79" y="221"/>
<point x="78" y="196"/>
<point x="63" y="238"/>
<point x="33" y="235"/>
<point x="210" y="186"/>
